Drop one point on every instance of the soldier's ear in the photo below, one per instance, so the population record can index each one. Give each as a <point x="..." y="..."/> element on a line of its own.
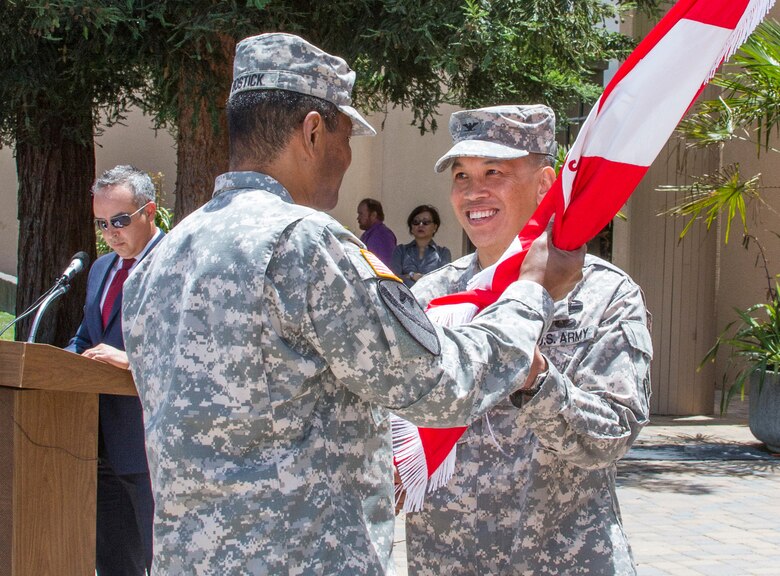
<point x="312" y="130"/>
<point x="546" y="179"/>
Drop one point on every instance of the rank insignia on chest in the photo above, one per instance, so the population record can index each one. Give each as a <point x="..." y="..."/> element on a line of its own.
<point x="379" y="267"/>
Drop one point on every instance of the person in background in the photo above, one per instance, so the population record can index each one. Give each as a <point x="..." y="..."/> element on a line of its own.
<point x="268" y="346"/>
<point x="123" y="203"/>
<point x="377" y="237"/>
<point x="533" y="490"/>
<point x="421" y="255"/>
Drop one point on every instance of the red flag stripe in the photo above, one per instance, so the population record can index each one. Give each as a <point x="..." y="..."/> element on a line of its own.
<point x="723" y="13"/>
<point x="586" y="216"/>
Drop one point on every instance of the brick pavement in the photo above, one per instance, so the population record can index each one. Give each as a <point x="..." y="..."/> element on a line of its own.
<point x="699" y="497"/>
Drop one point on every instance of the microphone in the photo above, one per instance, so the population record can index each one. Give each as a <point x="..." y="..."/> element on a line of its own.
<point x="61" y="286"/>
<point x="79" y="261"/>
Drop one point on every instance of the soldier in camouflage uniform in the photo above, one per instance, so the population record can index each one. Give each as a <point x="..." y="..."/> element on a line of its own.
<point x="267" y="345"/>
<point x="534" y="485"/>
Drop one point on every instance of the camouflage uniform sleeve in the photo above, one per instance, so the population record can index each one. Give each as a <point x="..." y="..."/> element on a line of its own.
<point x="592" y="421"/>
<point x="371" y="353"/>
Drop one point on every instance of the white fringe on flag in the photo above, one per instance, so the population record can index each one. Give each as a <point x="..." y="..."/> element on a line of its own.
<point x="410" y="463"/>
<point x="751" y="18"/>
<point x="444" y="472"/>
<point x="484" y="278"/>
<point x="412" y="468"/>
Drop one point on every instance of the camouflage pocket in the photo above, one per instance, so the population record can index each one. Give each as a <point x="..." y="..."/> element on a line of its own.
<point x="638" y="337"/>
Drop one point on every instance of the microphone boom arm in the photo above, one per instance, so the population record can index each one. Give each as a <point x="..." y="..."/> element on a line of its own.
<point x="79" y="261"/>
<point x="60" y="289"/>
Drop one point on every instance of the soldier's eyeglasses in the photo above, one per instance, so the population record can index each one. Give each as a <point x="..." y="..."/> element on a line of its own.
<point x="421" y="222"/>
<point x="118" y="221"/>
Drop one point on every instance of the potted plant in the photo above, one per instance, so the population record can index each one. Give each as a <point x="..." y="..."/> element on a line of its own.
<point x="754" y="347"/>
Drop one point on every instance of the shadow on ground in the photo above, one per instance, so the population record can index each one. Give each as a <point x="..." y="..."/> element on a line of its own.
<point x="660" y="469"/>
<point x="699" y="447"/>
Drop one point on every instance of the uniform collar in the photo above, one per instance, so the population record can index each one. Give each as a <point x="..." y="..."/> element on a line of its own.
<point x="250" y="180"/>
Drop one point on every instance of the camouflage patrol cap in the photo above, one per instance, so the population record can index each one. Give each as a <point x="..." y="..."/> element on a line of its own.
<point x="288" y="62"/>
<point x="501" y="132"/>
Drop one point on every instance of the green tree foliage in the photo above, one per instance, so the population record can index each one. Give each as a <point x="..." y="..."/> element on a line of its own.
<point x="62" y="57"/>
<point x="412" y="53"/>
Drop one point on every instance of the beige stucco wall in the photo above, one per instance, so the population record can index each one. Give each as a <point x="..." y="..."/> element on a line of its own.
<point x="678" y="280"/>
<point x="742" y="282"/>
<point x="395" y="167"/>
<point x="9" y="225"/>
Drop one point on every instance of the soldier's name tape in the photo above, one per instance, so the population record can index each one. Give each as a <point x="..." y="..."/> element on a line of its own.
<point x="568" y="337"/>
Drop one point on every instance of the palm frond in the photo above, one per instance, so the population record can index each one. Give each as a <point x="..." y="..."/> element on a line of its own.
<point x="724" y="192"/>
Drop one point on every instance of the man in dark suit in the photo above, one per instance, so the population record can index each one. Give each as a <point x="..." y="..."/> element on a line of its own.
<point x="123" y="203"/>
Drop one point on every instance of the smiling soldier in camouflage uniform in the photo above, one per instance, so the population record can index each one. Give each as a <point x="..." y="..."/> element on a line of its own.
<point x="267" y="345"/>
<point x="534" y="485"/>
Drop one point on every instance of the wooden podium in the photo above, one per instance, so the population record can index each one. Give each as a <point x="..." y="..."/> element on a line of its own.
<point x="48" y="457"/>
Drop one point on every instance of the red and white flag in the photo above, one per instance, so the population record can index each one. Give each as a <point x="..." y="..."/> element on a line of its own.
<point x="623" y="134"/>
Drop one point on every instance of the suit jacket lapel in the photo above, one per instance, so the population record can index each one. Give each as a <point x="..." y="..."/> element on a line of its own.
<point x="118" y="301"/>
<point x="93" y="313"/>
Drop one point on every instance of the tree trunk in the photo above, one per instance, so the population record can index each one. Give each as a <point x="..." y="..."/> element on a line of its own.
<point x="55" y="222"/>
<point x="202" y="141"/>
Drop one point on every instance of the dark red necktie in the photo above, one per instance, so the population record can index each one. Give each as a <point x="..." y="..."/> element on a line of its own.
<point x="115" y="289"/>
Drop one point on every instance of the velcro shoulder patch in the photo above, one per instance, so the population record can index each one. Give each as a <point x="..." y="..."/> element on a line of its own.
<point x="402" y="303"/>
<point x="379" y="268"/>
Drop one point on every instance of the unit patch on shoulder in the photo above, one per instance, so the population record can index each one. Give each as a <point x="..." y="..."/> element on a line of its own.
<point x="402" y="303"/>
<point x="379" y="268"/>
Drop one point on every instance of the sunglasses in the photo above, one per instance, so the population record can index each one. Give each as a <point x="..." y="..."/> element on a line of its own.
<point x="421" y="222"/>
<point x="118" y="221"/>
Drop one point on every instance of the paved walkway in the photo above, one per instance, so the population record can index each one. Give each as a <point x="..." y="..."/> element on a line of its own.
<point x="699" y="497"/>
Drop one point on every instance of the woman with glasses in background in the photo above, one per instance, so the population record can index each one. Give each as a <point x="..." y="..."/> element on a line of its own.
<point x="421" y="255"/>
